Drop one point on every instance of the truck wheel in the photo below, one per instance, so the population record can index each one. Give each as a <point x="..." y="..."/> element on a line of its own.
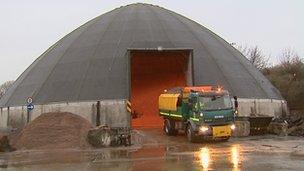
<point x="190" y="134"/>
<point x="169" y="127"/>
<point x="225" y="139"/>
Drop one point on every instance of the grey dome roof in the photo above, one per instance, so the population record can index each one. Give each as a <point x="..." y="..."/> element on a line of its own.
<point x="90" y="63"/>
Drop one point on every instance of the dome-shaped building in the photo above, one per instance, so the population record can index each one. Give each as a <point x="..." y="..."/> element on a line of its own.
<point x="133" y="53"/>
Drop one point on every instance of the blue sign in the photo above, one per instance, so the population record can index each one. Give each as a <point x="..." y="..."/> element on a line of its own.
<point x="30" y="106"/>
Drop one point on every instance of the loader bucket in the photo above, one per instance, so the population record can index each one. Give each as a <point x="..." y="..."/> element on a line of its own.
<point x="259" y="125"/>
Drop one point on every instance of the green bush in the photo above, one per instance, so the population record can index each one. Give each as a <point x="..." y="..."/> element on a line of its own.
<point x="288" y="78"/>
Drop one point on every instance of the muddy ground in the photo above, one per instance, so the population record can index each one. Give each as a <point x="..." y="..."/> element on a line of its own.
<point x="152" y="150"/>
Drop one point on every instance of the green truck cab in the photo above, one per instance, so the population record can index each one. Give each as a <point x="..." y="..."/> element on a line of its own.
<point x="204" y="112"/>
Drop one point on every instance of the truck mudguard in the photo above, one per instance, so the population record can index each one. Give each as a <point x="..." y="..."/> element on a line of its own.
<point x="193" y="125"/>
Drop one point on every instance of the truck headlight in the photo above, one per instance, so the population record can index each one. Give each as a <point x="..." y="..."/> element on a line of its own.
<point x="203" y="128"/>
<point x="232" y="127"/>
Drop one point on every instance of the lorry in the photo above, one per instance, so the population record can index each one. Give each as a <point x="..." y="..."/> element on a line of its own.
<point x="203" y="113"/>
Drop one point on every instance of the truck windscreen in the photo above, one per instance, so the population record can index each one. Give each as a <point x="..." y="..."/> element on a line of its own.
<point x="215" y="102"/>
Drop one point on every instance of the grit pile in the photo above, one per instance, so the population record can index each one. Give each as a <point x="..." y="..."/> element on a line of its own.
<point x="54" y="131"/>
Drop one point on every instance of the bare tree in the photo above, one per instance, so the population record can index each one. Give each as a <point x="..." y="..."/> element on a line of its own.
<point x="4" y="87"/>
<point x="255" y="56"/>
<point x="290" y="61"/>
<point x="288" y="77"/>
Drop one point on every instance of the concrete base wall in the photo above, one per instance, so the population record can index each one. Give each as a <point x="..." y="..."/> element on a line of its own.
<point x="242" y="129"/>
<point x="113" y="113"/>
<point x="3" y="117"/>
<point x="262" y="107"/>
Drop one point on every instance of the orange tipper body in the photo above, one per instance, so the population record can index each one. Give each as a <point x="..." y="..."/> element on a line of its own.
<point x="204" y="89"/>
<point x="201" y="88"/>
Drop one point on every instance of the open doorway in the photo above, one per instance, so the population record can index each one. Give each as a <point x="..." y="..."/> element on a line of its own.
<point x="151" y="73"/>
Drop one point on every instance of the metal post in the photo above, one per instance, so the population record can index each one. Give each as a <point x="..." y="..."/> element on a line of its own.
<point x="98" y="113"/>
<point x="28" y="116"/>
<point x="8" y="116"/>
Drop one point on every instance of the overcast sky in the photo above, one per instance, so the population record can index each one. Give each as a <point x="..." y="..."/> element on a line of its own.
<point x="28" y="28"/>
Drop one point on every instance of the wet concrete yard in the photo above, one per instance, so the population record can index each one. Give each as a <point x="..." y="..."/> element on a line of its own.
<point x="152" y="150"/>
